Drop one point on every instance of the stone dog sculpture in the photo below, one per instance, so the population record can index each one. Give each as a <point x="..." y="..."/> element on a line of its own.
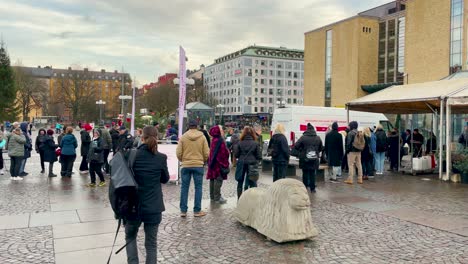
<point x="281" y="213"/>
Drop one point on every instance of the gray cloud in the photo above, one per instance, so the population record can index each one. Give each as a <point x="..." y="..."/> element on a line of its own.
<point x="144" y="35"/>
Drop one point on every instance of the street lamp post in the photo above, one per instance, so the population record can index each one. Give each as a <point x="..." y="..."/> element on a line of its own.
<point x="221" y="113"/>
<point x="123" y="98"/>
<point x="100" y="103"/>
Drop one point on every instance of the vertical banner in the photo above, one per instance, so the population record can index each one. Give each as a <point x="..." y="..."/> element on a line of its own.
<point x="182" y="89"/>
<point x="132" y="123"/>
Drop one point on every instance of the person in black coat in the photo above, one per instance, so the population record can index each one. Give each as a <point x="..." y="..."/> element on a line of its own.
<point x="114" y="132"/>
<point x="248" y="154"/>
<point x="279" y="151"/>
<point x="40" y="145"/>
<point x="85" y="142"/>
<point x="394" y="146"/>
<point x="125" y="141"/>
<point x="95" y="158"/>
<point x="150" y="169"/>
<point x="431" y="144"/>
<point x="307" y="144"/>
<point x="334" y="151"/>
<point x="49" y="151"/>
<point x="207" y="136"/>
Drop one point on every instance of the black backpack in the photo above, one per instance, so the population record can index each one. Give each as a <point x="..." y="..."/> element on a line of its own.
<point x="123" y="190"/>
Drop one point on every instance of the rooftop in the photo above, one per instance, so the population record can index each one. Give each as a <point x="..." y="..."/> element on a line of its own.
<point x="265" y="52"/>
<point x="48" y="72"/>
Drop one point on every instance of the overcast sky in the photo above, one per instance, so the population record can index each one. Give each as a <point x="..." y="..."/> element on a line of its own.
<point x="143" y="36"/>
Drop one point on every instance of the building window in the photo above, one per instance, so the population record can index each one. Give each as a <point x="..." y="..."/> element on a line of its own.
<point x="401" y="49"/>
<point x="456" y="36"/>
<point x="382" y="52"/>
<point x="262" y="109"/>
<point x="294" y="101"/>
<point x="279" y="74"/>
<point x="262" y="100"/>
<point x="328" y="67"/>
<point x="270" y="100"/>
<point x="289" y="82"/>
<point x="391" y="51"/>
<point x="262" y="90"/>
<point x="279" y="83"/>
<point x="270" y="82"/>
<point x="255" y="109"/>
<point x="262" y="72"/>
<point x="270" y="91"/>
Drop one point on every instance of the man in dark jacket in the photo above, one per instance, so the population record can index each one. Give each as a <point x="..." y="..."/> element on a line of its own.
<point x="114" y="132"/>
<point x="463" y="139"/>
<point x="354" y="154"/>
<point x="106" y="146"/>
<point x="125" y="141"/>
<point x="334" y="151"/>
<point x="418" y="141"/>
<point x="309" y="147"/>
<point x="85" y="142"/>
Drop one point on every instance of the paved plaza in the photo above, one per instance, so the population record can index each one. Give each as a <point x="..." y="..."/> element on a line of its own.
<point x="391" y="219"/>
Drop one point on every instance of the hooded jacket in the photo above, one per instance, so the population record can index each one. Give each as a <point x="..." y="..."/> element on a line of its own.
<point x="280" y="149"/>
<point x="40" y="140"/>
<point x="85" y="142"/>
<point x="192" y="150"/>
<point x="248" y="151"/>
<point x="16" y="145"/>
<point x="308" y="141"/>
<point x="28" y="145"/>
<point x="68" y="145"/>
<point x="350" y="138"/>
<point x="222" y="157"/>
<point x="334" y="146"/>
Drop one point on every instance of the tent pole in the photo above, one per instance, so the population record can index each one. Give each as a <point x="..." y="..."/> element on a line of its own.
<point x="447" y="140"/>
<point x="347" y="114"/>
<point x="441" y="141"/>
<point x="399" y="149"/>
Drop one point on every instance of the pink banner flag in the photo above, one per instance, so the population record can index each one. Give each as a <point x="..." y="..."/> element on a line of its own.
<point x="182" y="89"/>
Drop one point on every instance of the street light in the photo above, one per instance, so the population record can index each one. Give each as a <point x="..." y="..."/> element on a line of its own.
<point x="221" y="111"/>
<point x="100" y="103"/>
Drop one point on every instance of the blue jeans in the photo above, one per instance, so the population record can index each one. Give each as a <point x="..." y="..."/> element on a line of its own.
<point x="186" y="176"/>
<point x="23" y="165"/>
<point x="379" y="161"/>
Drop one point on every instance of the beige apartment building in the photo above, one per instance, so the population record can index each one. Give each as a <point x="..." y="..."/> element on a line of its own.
<point x="399" y="42"/>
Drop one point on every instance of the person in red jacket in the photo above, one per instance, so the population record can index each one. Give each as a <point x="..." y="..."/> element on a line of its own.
<point x="218" y="162"/>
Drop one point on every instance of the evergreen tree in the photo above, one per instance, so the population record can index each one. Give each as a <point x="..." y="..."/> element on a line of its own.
<point x="8" y="110"/>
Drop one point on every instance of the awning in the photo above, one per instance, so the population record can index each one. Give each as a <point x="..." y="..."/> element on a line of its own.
<point x="411" y="98"/>
<point x="377" y="87"/>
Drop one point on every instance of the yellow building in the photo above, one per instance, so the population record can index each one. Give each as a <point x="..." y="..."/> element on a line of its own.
<point x="402" y="41"/>
<point x="338" y="59"/>
<point x="65" y="85"/>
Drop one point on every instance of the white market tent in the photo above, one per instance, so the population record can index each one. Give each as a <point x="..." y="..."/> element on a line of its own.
<point x="442" y="97"/>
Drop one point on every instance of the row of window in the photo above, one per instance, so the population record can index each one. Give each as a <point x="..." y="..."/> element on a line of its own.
<point x="270" y="100"/>
<point x="92" y="77"/>
<point x="258" y="63"/>
<point x="278" y="82"/>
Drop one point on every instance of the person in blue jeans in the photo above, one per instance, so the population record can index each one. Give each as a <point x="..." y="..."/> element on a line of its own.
<point x="192" y="152"/>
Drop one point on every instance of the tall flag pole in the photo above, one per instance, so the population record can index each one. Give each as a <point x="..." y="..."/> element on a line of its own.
<point x="182" y="89"/>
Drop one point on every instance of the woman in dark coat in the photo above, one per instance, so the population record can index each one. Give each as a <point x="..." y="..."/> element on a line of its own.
<point x="49" y="151"/>
<point x="394" y="146"/>
<point x="95" y="158"/>
<point x="309" y="142"/>
<point x="279" y="151"/>
<point x="219" y="158"/>
<point x="431" y="144"/>
<point x="150" y="169"/>
<point x="334" y="151"/>
<point x="366" y="155"/>
<point x="40" y="145"/>
<point x="85" y="141"/>
<point x="247" y="152"/>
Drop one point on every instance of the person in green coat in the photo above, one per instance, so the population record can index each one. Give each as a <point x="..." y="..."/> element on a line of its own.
<point x="15" y="145"/>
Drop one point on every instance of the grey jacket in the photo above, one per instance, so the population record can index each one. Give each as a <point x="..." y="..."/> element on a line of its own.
<point x="16" y="145"/>
<point x="106" y="138"/>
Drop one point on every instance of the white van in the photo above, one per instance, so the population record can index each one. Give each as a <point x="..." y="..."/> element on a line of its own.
<point x="295" y="119"/>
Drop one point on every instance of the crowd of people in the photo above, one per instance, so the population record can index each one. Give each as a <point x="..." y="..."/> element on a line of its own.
<point x="217" y="150"/>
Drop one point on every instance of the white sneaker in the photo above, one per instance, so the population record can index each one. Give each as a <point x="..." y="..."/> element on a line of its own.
<point x="19" y="178"/>
<point x="13" y="178"/>
<point x="2" y="172"/>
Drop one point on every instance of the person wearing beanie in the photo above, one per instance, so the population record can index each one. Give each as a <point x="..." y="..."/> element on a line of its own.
<point x="49" y="151"/>
<point x="334" y="151"/>
<point x="309" y="147"/>
<point x="353" y="151"/>
<point x="96" y="160"/>
<point x="40" y="145"/>
<point x="125" y="141"/>
<point x="85" y="142"/>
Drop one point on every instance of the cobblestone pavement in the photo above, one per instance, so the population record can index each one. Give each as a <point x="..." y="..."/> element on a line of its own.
<point x="391" y="219"/>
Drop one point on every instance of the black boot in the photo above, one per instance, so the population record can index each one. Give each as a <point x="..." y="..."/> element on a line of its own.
<point x="239" y="193"/>
<point x="51" y="170"/>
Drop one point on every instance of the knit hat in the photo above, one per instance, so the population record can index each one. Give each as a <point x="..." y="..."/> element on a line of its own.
<point x="335" y="126"/>
<point x="50" y="132"/>
<point x="310" y="126"/>
<point x="87" y="127"/>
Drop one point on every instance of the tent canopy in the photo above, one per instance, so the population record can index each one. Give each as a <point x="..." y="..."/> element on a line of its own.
<point x="412" y="98"/>
<point x="197" y="106"/>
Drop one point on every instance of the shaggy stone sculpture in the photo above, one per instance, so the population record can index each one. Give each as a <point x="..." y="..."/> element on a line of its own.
<point x="281" y="213"/>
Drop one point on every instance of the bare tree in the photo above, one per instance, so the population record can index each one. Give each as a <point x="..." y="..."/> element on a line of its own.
<point x="31" y="92"/>
<point x="163" y="100"/>
<point x="75" y="91"/>
<point x="199" y="93"/>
